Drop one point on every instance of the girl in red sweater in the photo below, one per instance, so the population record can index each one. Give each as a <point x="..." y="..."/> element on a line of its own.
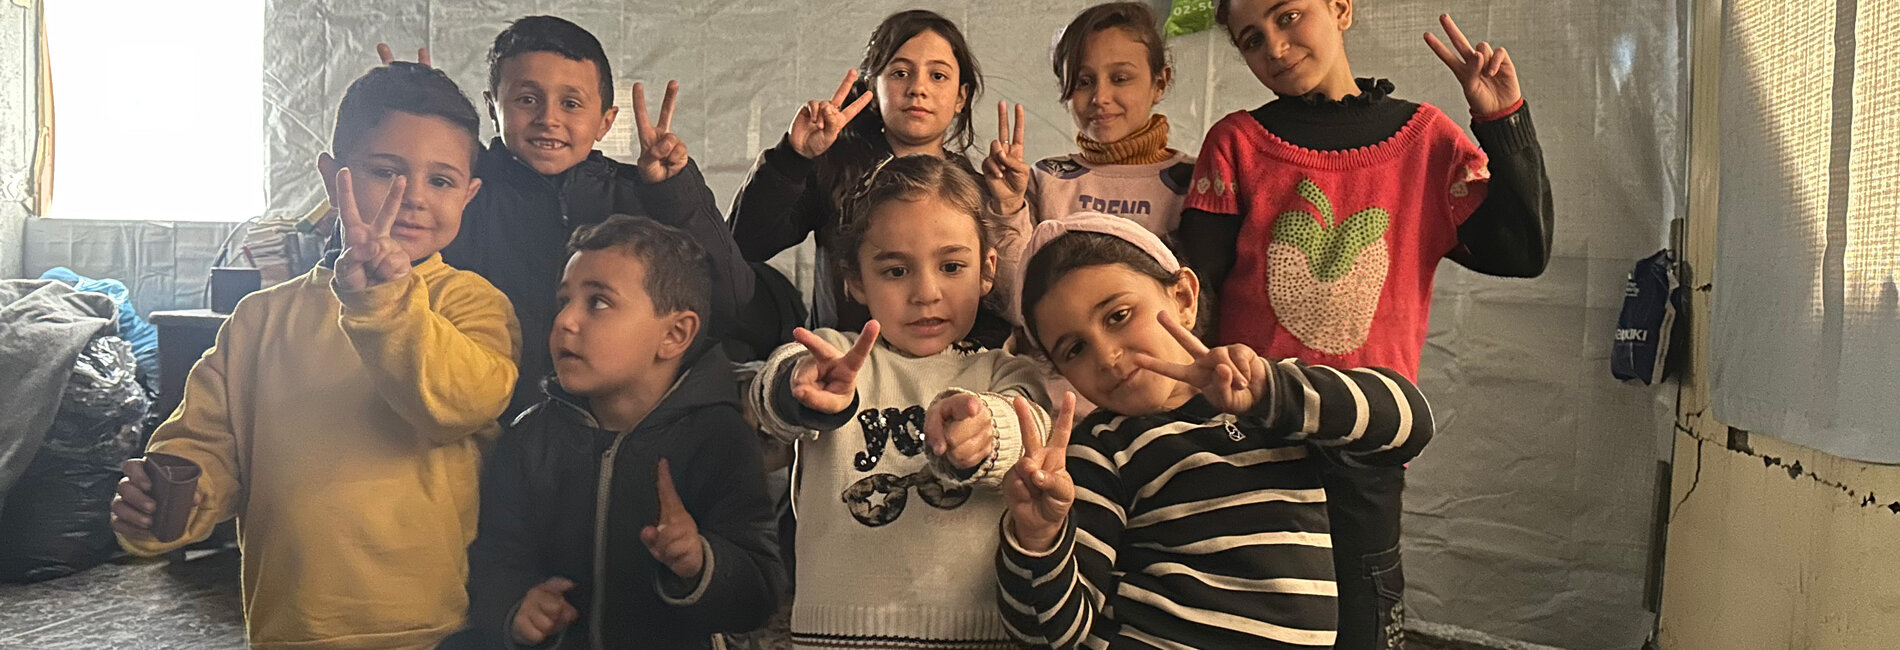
<point x="1321" y="217"/>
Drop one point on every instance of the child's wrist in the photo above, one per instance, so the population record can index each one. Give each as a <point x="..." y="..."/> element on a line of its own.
<point x="1482" y="116"/>
<point x="1038" y="540"/>
<point x="1039" y="544"/>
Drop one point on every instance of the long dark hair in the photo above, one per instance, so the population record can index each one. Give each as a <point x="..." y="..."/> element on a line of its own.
<point x="862" y="144"/>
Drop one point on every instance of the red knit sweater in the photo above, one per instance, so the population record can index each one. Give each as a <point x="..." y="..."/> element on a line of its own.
<point x="1337" y="249"/>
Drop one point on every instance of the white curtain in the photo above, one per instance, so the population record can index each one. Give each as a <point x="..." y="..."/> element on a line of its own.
<point x="1805" y="336"/>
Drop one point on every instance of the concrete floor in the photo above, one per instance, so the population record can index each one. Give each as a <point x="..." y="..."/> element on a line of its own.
<point x="128" y="604"/>
<point x="150" y="605"/>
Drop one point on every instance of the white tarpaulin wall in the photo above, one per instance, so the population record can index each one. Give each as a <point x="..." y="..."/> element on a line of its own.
<point x="1528" y="518"/>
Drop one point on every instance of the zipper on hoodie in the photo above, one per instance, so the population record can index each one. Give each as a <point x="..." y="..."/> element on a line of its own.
<point x="603" y="485"/>
<point x="606" y="479"/>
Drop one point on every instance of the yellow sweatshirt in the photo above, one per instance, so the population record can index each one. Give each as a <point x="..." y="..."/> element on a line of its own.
<point x="344" y="430"/>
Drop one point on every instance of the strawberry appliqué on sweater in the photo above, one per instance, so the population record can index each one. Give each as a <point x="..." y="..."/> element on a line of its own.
<point x="1325" y="276"/>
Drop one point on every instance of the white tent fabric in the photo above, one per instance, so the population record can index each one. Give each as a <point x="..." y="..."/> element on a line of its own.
<point x="1531" y="515"/>
<point x="18" y="133"/>
<point x="1808" y="180"/>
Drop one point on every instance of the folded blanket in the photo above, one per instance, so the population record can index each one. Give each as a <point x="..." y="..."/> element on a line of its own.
<point x="44" y="325"/>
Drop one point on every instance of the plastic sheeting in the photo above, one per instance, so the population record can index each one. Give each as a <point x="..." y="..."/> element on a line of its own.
<point x="18" y="126"/>
<point x="165" y="265"/>
<point x="1530" y="516"/>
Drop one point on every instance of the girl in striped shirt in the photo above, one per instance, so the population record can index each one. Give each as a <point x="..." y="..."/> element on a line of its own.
<point x="1187" y="510"/>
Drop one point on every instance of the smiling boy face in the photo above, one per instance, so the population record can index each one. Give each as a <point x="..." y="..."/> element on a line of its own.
<point x="550" y="110"/>
<point x="437" y="157"/>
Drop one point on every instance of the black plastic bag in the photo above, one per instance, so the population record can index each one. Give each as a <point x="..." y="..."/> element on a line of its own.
<point x="56" y="520"/>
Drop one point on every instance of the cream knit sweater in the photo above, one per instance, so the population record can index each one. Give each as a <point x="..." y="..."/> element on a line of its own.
<point x="898" y="553"/>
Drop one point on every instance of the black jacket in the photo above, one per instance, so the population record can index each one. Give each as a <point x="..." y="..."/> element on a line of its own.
<point x="788" y="197"/>
<point x="514" y="234"/>
<point x="543" y="500"/>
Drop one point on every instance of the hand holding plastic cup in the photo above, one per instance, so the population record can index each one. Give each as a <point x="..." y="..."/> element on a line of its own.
<point x="174" y="491"/>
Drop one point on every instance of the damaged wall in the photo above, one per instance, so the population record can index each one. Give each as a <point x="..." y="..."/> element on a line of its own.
<point x="1771" y="544"/>
<point x="19" y="126"/>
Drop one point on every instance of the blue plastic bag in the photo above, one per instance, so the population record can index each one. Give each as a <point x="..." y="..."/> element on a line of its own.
<point x="143" y="336"/>
<point x="1652" y="299"/>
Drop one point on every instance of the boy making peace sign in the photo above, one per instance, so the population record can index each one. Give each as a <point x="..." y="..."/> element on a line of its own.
<point x="340" y="416"/>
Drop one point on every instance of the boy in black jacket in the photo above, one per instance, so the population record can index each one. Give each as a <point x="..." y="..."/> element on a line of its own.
<point x="627" y="509"/>
<point x="551" y="95"/>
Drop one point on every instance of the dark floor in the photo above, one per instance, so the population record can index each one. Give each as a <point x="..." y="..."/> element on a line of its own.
<point x="151" y="605"/>
<point x="130" y="604"/>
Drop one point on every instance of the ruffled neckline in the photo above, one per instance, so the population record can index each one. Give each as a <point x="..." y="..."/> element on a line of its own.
<point x="1371" y="92"/>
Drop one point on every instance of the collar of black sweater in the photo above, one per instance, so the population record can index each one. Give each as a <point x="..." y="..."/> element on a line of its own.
<point x="1372" y="91"/>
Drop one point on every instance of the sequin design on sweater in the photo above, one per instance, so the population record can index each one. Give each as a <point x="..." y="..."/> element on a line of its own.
<point x="880" y="498"/>
<point x="1325" y="277"/>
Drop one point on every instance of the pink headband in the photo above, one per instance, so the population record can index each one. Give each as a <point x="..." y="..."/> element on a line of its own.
<point x="1095" y="222"/>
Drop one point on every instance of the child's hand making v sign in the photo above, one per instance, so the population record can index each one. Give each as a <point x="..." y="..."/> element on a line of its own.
<point x="819" y="123"/>
<point x="1039" y="488"/>
<point x="827" y="382"/>
<point x="662" y="154"/>
<point x="370" y="256"/>
<point x="1232" y="377"/>
<point x="1005" y="171"/>
<point x="1487" y="75"/>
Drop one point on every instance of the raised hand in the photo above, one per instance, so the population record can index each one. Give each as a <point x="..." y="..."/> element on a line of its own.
<point x="1005" y="171"/>
<point x="819" y="122"/>
<point x="1231" y="377"/>
<point x="828" y="381"/>
<point x="959" y="430"/>
<point x="370" y="256"/>
<point x="674" y="539"/>
<point x="662" y="154"/>
<point x="544" y="612"/>
<point x="1039" y="488"/>
<point x="1487" y="75"/>
<point x="388" y="57"/>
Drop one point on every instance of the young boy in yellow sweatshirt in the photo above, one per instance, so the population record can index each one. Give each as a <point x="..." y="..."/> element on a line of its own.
<point x="341" y="415"/>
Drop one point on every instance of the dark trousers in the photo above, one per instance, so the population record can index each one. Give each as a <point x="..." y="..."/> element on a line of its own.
<point x="1364" y="505"/>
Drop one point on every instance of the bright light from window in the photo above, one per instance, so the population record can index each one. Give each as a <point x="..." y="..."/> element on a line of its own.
<point x="158" y="109"/>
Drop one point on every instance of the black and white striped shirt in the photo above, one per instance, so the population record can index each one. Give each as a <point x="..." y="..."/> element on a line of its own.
<point x="1197" y="529"/>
